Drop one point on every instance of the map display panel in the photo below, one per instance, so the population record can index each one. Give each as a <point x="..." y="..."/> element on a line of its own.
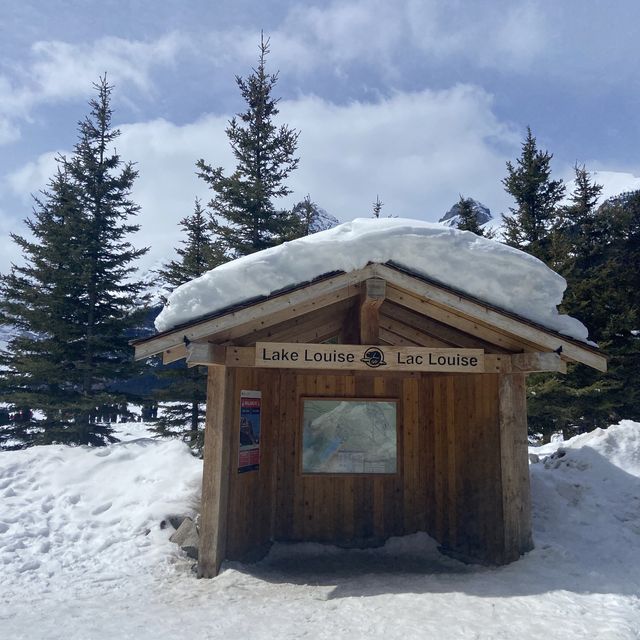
<point x="349" y="436"/>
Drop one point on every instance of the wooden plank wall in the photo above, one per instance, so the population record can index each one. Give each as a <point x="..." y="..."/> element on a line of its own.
<point x="249" y="521"/>
<point x="449" y="481"/>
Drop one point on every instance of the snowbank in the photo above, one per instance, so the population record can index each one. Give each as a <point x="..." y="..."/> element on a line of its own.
<point x="486" y="269"/>
<point x="588" y="490"/>
<point x="67" y="510"/>
<point x="78" y="560"/>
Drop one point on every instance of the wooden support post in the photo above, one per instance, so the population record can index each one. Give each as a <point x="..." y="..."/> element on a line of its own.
<point x="516" y="489"/>
<point x="215" y="474"/>
<point x="371" y="299"/>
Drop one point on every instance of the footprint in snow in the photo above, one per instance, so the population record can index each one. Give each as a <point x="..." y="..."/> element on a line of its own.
<point x="101" y="509"/>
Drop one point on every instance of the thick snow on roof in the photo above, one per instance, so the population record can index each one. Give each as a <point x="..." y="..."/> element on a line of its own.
<point x="485" y="269"/>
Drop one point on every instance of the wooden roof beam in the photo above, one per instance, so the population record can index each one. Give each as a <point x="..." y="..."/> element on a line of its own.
<point x="307" y="328"/>
<point x="413" y="336"/>
<point x="430" y="327"/>
<point x="408" y="300"/>
<point x="394" y="339"/>
<point x="489" y="317"/>
<point x="256" y="317"/>
<point x="371" y="298"/>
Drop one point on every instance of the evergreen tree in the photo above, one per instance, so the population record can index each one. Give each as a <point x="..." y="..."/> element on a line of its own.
<point x="70" y="303"/>
<point x="560" y="403"/>
<point x="537" y="198"/>
<point x="183" y="390"/>
<point x="199" y="253"/>
<point x="377" y="207"/>
<point x="602" y="267"/>
<point x="468" y="218"/>
<point x="605" y="295"/>
<point x="244" y="214"/>
<point x="573" y="232"/>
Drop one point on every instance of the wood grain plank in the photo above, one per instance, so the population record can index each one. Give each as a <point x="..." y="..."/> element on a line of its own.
<point x="215" y="477"/>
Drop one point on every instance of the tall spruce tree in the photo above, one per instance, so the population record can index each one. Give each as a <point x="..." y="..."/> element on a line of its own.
<point x="601" y="261"/>
<point x="199" y="252"/>
<point x="74" y="300"/>
<point x="573" y="232"/>
<point x="568" y="403"/>
<point x="537" y="197"/>
<point x="183" y="390"/>
<point x="604" y="292"/>
<point x="245" y="216"/>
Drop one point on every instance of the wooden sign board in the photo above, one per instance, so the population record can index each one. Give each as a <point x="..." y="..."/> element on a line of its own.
<point x="365" y="358"/>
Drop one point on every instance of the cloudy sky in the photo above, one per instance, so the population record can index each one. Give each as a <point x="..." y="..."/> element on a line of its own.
<point x="416" y="101"/>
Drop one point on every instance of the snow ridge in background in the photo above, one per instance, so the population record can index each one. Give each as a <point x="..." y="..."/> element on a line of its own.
<point x="486" y="269"/>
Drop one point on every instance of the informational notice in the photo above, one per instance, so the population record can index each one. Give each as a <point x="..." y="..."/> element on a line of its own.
<point x="349" y="436"/>
<point x="249" y="451"/>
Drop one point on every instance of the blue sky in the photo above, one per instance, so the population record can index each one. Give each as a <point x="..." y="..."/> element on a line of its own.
<point x="414" y="101"/>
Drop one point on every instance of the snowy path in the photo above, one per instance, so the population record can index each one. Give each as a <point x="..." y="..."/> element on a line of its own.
<point x="72" y="568"/>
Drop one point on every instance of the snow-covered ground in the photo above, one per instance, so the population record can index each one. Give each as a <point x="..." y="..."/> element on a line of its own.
<point x="82" y="556"/>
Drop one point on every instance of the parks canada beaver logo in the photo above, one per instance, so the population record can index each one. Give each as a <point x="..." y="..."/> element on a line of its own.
<point x="374" y="357"/>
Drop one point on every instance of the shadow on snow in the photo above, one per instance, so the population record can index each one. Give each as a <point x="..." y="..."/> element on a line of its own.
<point x="586" y="519"/>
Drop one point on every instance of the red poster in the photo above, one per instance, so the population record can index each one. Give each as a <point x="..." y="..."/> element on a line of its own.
<point x="249" y="451"/>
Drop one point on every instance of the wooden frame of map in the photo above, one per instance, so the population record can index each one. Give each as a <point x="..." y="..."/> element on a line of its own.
<point x="349" y="436"/>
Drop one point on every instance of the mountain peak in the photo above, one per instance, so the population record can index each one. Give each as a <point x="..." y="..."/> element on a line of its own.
<point x="482" y="212"/>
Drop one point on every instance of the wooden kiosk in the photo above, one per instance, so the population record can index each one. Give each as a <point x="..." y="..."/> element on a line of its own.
<point x="449" y="371"/>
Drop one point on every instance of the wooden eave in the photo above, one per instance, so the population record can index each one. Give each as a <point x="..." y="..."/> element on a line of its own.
<point x="416" y="311"/>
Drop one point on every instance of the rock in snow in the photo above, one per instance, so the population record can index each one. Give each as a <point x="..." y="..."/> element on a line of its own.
<point x="186" y="537"/>
<point x="486" y="269"/>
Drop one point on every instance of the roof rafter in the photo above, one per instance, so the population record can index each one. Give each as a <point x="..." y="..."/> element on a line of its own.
<point x="440" y="307"/>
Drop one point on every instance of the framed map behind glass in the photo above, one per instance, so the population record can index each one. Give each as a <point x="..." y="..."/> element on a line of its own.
<point x="349" y="436"/>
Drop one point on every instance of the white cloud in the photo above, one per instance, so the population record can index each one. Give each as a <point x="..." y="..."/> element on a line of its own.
<point x="500" y="35"/>
<point x="165" y="156"/>
<point x="32" y="177"/>
<point x="385" y="35"/>
<point x="10" y="251"/>
<point x="8" y="131"/>
<point x="417" y="151"/>
<point x="61" y="69"/>
<point x="58" y="71"/>
<point x="519" y="38"/>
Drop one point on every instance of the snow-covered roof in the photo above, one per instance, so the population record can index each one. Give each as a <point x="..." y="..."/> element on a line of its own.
<point x="485" y="269"/>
